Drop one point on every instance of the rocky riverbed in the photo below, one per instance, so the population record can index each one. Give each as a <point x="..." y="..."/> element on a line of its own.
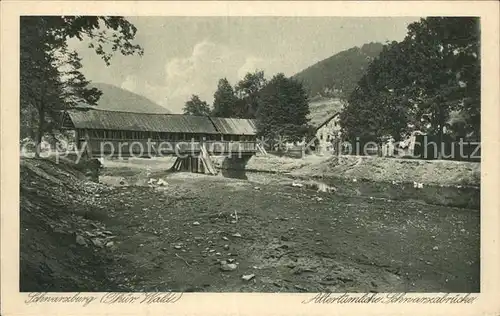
<point x="213" y="234"/>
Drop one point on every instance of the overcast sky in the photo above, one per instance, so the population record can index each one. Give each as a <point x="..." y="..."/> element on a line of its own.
<point x="188" y="55"/>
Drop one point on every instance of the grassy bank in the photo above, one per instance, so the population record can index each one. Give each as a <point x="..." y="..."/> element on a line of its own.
<point x="377" y="169"/>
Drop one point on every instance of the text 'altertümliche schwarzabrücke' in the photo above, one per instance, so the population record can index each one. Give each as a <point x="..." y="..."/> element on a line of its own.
<point x="390" y="298"/>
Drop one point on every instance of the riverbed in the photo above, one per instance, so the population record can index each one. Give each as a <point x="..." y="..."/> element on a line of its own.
<point x="293" y="235"/>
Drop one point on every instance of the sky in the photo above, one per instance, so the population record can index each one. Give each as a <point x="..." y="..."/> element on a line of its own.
<point x="188" y="55"/>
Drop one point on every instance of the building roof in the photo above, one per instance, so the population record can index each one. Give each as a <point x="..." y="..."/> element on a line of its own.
<point x="92" y="118"/>
<point x="321" y="108"/>
<point x="143" y="122"/>
<point x="331" y="117"/>
<point x="234" y="126"/>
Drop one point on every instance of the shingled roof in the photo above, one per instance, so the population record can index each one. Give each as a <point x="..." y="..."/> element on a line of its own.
<point x="91" y="118"/>
<point x="323" y="110"/>
<point x="234" y="126"/>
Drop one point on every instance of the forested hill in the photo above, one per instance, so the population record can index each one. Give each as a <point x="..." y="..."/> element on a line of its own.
<point x="114" y="98"/>
<point x="338" y="75"/>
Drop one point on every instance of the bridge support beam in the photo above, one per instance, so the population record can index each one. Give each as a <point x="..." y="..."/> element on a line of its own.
<point x="194" y="165"/>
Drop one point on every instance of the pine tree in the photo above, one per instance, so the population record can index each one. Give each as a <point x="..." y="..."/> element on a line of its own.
<point x="283" y="110"/>
<point x="247" y="91"/>
<point x="225" y="101"/>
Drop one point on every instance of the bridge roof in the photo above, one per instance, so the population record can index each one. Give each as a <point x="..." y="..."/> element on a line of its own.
<point x="143" y="122"/>
<point x="92" y="118"/>
<point x="234" y="126"/>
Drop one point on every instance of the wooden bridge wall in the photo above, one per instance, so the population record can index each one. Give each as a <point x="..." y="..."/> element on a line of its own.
<point x="151" y="147"/>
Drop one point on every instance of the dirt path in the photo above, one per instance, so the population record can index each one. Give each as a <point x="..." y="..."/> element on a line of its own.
<point x="292" y="239"/>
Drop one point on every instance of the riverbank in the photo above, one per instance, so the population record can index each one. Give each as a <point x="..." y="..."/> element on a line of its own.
<point x="447" y="183"/>
<point x="376" y="169"/>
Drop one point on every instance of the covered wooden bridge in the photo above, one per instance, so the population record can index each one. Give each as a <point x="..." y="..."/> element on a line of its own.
<point x="193" y="139"/>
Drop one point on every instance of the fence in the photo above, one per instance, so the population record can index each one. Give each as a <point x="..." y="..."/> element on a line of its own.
<point x="427" y="147"/>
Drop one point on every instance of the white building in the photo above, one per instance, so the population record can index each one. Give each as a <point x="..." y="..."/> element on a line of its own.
<point x="327" y="133"/>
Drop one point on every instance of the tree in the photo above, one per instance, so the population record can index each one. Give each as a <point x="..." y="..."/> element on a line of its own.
<point x="435" y="70"/>
<point x="376" y="108"/>
<point x="196" y="107"/>
<point x="225" y="101"/>
<point x="445" y="66"/>
<point x="283" y="110"/>
<point x="50" y="77"/>
<point x="248" y="90"/>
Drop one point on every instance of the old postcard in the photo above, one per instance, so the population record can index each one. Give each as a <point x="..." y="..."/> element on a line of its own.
<point x="226" y="158"/>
